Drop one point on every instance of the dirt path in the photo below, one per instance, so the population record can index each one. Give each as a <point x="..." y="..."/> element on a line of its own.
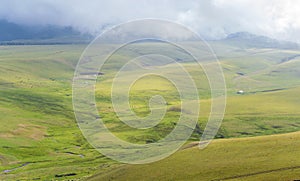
<point x="261" y="172"/>
<point x="283" y="61"/>
<point x="10" y="170"/>
<point x="3" y="160"/>
<point x="194" y="144"/>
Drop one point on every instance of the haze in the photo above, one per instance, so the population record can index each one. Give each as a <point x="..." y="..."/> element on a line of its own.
<point x="211" y="19"/>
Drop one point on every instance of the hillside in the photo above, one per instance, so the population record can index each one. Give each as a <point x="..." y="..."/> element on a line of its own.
<point x="41" y="140"/>
<point x="258" y="158"/>
<point x="248" y="40"/>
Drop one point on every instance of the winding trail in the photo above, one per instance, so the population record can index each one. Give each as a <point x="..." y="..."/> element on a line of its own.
<point x="267" y="69"/>
<point x="261" y="172"/>
<point x="10" y="170"/>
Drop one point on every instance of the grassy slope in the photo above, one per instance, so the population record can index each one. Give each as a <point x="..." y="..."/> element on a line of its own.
<point x="261" y="114"/>
<point x="38" y="125"/>
<point x="273" y="157"/>
<point x="252" y="114"/>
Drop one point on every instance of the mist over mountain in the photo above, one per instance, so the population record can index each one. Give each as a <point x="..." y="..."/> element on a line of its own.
<point x="17" y="33"/>
<point x="249" y="40"/>
<point x="12" y="33"/>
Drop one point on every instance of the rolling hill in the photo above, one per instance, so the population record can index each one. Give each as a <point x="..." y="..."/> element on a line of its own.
<point x="248" y="40"/>
<point x="258" y="158"/>
<point x="41" y="140"/>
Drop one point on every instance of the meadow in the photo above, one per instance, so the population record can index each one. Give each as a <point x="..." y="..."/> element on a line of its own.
<point x="273" y="157"/>
<point x="40" y="139"/>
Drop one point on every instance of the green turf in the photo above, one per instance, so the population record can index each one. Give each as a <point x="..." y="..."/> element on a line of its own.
<point x="258" y="158"/>
<point x="39" y="137"/>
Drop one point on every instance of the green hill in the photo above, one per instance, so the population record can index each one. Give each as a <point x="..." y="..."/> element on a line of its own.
<point x="39" y="137"/>
<point x="259" y="158"/>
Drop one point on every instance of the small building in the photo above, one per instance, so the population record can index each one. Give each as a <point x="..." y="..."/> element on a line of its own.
<point x="240" y="92"/>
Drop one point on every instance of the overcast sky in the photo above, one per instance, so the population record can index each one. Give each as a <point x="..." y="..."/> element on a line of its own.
<point x="212" y="19"/>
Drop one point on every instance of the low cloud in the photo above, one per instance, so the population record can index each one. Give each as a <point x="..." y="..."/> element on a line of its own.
<point x="211" y="19"/>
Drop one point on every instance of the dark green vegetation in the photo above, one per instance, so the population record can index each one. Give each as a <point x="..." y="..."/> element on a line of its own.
<point x="39" y="138"/>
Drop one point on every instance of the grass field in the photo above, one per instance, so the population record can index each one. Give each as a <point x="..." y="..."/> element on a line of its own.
<point x="39" y="137"/>
<point x="273" y="157"/>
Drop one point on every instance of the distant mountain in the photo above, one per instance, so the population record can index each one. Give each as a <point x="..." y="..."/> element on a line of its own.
<point x="248" y="40"/>
<point x="11" y="33"/>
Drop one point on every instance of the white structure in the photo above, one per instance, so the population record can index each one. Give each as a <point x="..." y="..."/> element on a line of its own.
<point x="240" y="92"/>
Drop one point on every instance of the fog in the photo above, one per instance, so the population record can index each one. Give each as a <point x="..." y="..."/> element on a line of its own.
<point x="211" y="19"/>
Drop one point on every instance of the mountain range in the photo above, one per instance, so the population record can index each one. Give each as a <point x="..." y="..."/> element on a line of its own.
<point x="12" y="33"/>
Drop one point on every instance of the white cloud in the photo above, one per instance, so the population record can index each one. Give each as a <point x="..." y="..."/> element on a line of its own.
<point x="278" y="18"/>
<point x="212" y="19"/>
